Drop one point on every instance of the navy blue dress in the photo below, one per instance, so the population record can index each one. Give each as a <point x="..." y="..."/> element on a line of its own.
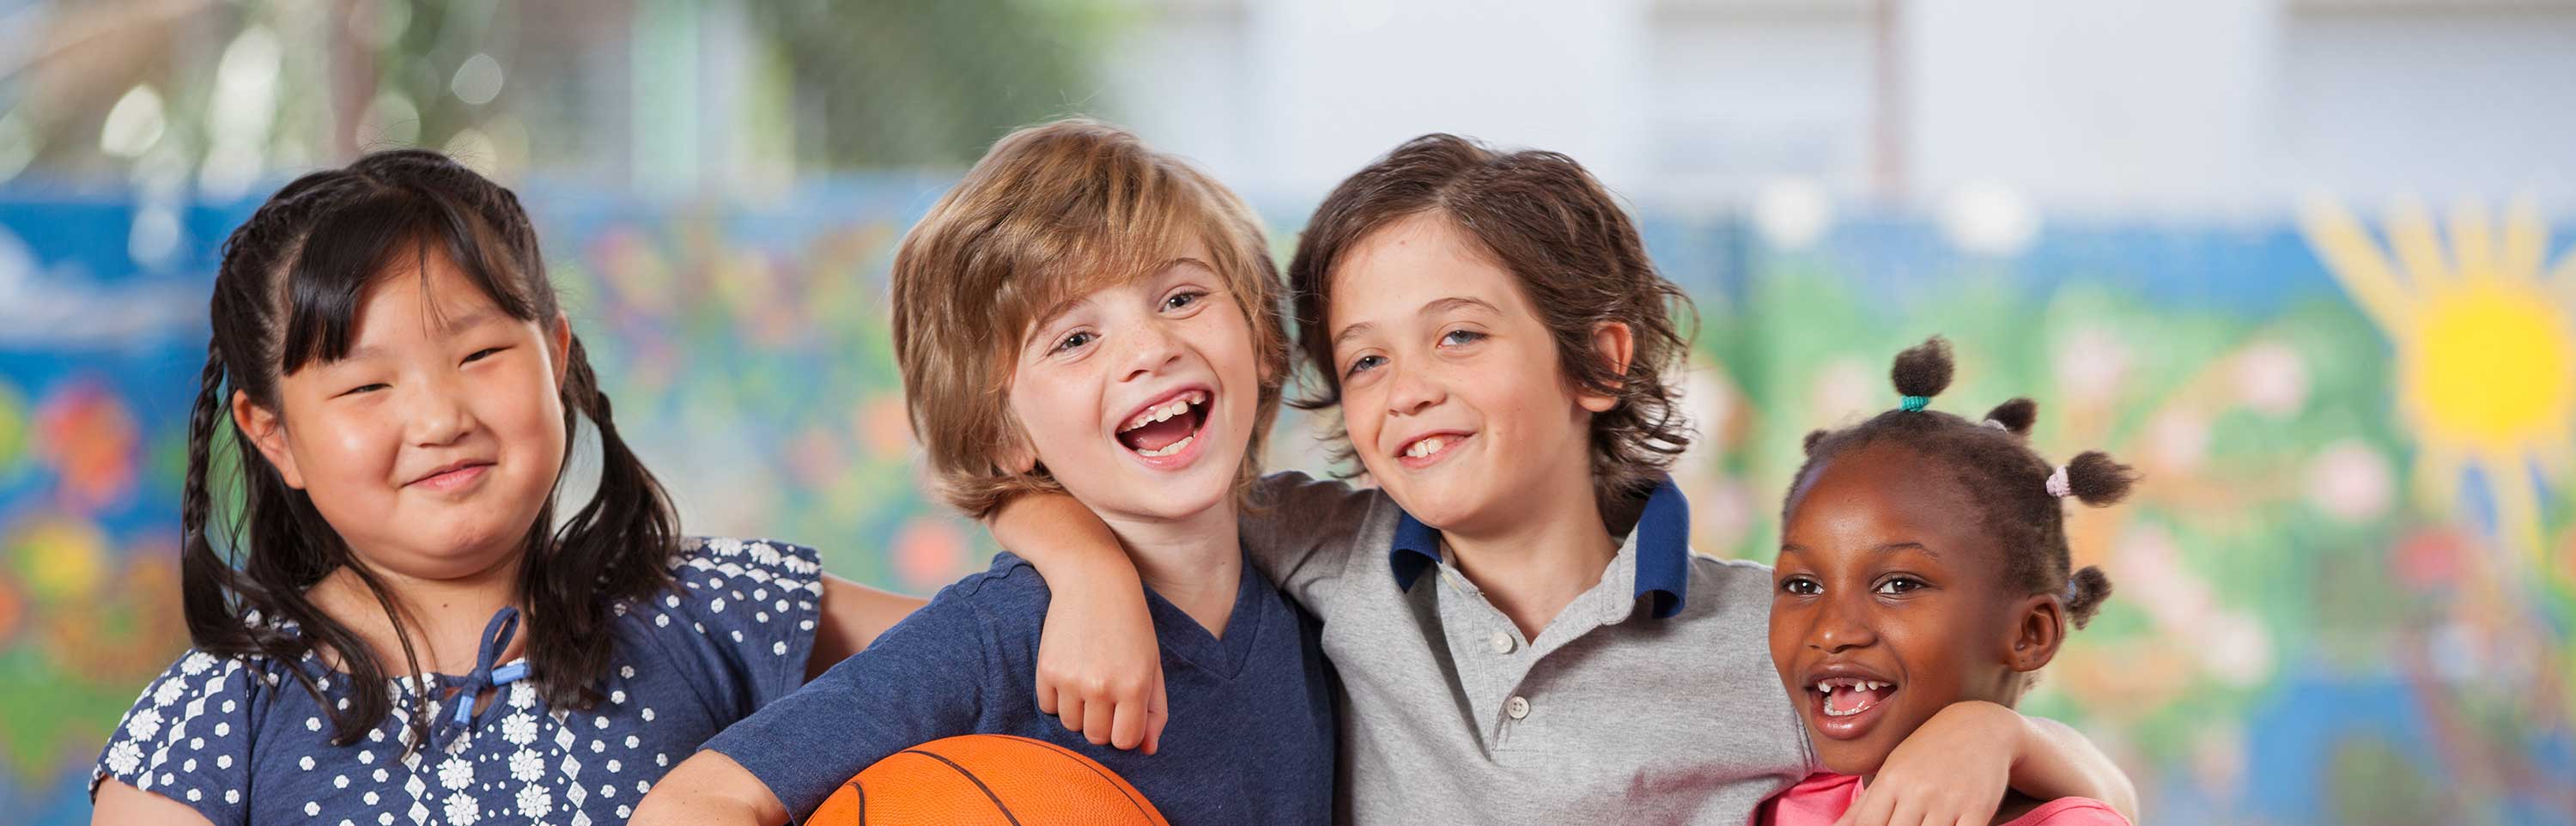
<point x="240" y="740"/>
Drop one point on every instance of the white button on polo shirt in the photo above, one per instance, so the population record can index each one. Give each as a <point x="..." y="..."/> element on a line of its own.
<point x="1517" y="707"/>
<point x="1502" y="642"/>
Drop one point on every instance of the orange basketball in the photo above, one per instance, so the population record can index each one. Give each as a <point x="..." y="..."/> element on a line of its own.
<point x="982" y="779"/>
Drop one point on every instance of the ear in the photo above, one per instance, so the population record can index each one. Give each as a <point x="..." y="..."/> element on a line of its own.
<point x="268" y="433"/>
<point x="1617" y="345"/>
<point x="2039" y="625"/>
<point x="559" y="334"/>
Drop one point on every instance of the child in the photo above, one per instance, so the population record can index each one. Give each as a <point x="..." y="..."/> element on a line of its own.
<point x="1084" y="314"/>
<point x="1509" y="649"/>
<point x="402" y="389"/>
<point x="1923" y="567"/>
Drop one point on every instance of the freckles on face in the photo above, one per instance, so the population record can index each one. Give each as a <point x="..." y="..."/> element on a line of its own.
<point x="1451" y="391"/>
<point x="1888" y="603"/>
<point x="1140" y="398"/>
<point x="433" y="444"/>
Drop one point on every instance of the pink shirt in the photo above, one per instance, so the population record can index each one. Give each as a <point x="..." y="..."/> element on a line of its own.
<point x="1821" y="799"/>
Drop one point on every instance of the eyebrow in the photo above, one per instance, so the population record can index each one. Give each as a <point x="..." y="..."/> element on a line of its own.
<point x="1434" y="307"/>
<point x="1892" y="547"/>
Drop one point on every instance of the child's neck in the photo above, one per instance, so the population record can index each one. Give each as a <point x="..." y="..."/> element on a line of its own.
<point x="1194" y="563"/>
<point x="445" y="618"/>
<point x="1551" y="550"/>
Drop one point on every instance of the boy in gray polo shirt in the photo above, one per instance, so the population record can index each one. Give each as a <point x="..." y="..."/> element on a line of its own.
<point x="1497" y="341"/>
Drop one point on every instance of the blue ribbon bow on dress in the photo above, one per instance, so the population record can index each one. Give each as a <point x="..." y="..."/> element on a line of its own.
<point x="496" y="639"/>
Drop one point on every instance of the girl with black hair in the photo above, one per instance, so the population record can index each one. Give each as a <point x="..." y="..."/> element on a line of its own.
<point x="390" y="622"/>
<point x="1923" y="578"/>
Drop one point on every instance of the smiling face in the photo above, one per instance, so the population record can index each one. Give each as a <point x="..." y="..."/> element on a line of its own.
<point x="1140" y="398"/>
<point x="1890" y="603"/>
<point x="433" y="446"/>
<point x="1451" y="388"/>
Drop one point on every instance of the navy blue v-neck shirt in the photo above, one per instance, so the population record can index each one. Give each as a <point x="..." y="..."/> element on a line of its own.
<point x="1250" y="738"/>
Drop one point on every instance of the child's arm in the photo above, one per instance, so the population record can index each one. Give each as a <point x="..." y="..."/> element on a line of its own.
<point x="1956" y="767"/>
<point x="118" y="804"/>
<point x="853" y="616"/>
<point x="1100" y="668"/>
<point x="707" y="788"/>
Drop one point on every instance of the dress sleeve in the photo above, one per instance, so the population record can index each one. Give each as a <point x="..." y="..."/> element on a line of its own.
<point x="188" y="738"/>
<point x="748" y="608"/>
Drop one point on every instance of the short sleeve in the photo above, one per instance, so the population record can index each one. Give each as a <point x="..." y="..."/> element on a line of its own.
<point x="921" y="680"/>
<point x="752" y="604"/>
<point x="188" y="738"/>
<point x="1300" y="531"/>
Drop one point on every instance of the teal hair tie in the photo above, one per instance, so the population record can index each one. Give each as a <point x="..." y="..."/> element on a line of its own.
<point x="1915" y="404"/>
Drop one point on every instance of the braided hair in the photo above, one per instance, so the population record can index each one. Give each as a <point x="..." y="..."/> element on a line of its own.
<point x="287" y="294"/>
<point x="2016" y="491"/>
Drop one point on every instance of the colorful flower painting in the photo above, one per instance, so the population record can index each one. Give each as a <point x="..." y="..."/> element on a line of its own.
<point x="2346" y="590"/>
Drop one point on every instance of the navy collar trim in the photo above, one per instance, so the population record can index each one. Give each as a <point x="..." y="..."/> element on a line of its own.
<point x="1663" y="549"/>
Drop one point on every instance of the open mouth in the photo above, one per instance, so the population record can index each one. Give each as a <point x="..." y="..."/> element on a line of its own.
<point x="1841" y="697"/>
<point x="1167" y="427"/>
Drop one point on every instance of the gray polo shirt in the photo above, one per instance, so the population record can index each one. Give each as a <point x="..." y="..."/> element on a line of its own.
<point x="1649" y="700"/>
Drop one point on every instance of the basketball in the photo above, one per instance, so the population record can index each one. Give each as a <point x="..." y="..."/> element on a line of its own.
<point x="980" y="779"/>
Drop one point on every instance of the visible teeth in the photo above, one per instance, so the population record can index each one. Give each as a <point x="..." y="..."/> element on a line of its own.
<point x="1169" y="449"/>
<point x="1165" y="412"/>
<point x="1426" y="447"/>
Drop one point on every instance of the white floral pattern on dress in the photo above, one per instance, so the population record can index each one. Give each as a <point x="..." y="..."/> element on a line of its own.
<point x="190" y="733"/>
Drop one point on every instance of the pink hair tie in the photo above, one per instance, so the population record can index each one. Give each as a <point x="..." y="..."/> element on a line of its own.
<point x="2058" y="485"/>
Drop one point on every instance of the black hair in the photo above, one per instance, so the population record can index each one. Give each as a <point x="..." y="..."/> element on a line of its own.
<point x="2005" y="479"/>
<point x="287" y="294"/>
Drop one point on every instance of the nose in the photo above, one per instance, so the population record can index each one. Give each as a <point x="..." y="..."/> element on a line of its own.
<point x="437" y="412"/>
<point x="1410" y="392"/>
<point x="1840" y="626"/>
<point x="1149" y="349"/>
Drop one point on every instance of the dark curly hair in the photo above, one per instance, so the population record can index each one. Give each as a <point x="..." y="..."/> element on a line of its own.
<point x="1574" y="252"/>
<point x="1993" y="461"/>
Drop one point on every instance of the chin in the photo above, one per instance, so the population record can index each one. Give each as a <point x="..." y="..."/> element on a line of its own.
<point x="1855" y="759"/>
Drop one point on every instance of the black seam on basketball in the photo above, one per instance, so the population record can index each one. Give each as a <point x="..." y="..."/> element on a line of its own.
<point x="971" y="778"/>
<point x="862" y="789"/>
<point x="1115" y="782"/>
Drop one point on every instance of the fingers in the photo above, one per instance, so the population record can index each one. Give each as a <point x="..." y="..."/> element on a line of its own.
<point x="1096" y="717"/>
<point x="1158" y="712"/>
<point x="1876" y="808"/>
<point x="1909" y="812"/>
<point x="1046" y="694"/>
<point x="1127" y="724"/>
<point x="1068" y="708"/>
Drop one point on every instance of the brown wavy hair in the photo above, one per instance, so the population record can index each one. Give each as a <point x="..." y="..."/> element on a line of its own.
<point x="1575" y="253"/>
<point x="1053" y="212"/>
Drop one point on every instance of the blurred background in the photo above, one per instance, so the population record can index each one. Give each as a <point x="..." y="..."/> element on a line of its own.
<point x="2310" y="264"/>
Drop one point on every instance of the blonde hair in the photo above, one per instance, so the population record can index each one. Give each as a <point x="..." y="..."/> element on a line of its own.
<point x="1051" y="213"/>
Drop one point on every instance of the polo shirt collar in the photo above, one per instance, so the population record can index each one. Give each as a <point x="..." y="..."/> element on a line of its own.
<point x="1662" y="538"/>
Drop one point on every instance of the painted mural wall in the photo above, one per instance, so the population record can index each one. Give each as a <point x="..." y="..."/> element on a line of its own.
<point x="2346" y="590"/>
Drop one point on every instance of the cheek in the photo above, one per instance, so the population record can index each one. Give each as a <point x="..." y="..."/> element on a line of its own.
<point x="345" y="447"/>
<point x="1042" y="401"/>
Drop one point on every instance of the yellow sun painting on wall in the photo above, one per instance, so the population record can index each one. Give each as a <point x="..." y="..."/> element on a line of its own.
<point x="2486" y="349"/>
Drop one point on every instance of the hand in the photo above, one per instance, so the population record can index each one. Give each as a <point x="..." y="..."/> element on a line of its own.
<point x="1100" y="667"/>
<point x="1952" y="771"/>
